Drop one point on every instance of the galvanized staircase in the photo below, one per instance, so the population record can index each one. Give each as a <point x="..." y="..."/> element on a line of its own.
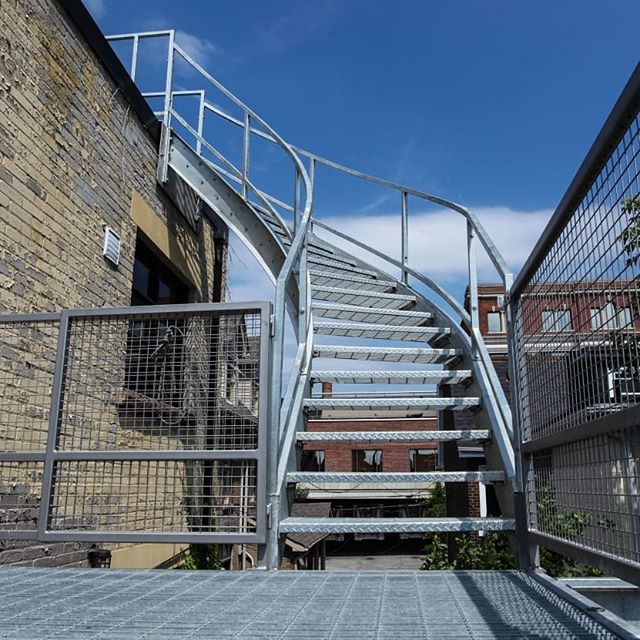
<point x="344" y="308"/>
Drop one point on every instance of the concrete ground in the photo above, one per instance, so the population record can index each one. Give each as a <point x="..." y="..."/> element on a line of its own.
<point x="399" y="562"/>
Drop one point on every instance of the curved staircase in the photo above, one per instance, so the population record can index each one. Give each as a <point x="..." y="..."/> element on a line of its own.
<point x="346" y="311"/>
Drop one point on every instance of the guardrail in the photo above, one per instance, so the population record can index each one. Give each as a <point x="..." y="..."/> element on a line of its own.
<point x="141" y="424"/>
<point x="576" y="369"/>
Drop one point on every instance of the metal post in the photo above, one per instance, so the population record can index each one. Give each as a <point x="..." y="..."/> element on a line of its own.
<point x="134" y="57"/>
<point x="404" y="201"/>
<point x="312" y="180"/>
<point x="163" y="160"/>
<point x="201" y="111"/>
<point x="54" y="422"/>
<point x="273" y="504"/>
<point x="296" y="201"/>
<point x="245" y="153"/>
<point x="473" y="286"/>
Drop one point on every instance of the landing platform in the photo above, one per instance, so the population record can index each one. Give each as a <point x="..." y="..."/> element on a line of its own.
<point x="119" y="604"/>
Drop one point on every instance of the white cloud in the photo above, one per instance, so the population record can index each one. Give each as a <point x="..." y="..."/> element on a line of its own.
<point x="437" y="240"/>
<point x="96" y="7"/>
<point x="199" y="49"/>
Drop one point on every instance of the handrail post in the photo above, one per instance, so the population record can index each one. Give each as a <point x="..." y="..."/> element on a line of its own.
<point x="473" y="286"/>
<point x="404" y="200"/>
<point x="296" y="200"/>
<point x="200" y="124"/>
<point x="245" y="153"/>
<point x="163" y="159"/>
<point x="134" y="57"/>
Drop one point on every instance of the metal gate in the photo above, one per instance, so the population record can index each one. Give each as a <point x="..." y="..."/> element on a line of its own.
<point x="142" y="424"/>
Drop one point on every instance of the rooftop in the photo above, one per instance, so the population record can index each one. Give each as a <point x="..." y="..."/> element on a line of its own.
<point x="99" y="603"/>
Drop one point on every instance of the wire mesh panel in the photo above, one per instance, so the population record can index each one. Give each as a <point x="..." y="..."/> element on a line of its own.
<point x="140" y="424"/>
<point x="28" y="348"/>
<point x="576" y="312"/>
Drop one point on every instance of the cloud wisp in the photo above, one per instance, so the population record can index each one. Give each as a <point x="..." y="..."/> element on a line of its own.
<point x="97" y="8"/>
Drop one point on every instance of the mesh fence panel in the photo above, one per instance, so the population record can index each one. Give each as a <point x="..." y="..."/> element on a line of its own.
<point x="577" y="351"/>
<point x="158" y="428"/>
<point x="154" y="496"/>
<point x="161" y="382"/>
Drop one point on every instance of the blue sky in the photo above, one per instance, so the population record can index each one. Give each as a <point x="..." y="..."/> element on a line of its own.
<point x="492" y="104"/>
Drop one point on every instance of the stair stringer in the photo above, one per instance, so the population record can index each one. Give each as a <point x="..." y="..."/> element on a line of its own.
<point x="235" y="211"/>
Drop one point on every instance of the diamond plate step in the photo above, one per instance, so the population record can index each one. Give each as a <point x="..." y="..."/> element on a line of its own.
<point x="367" y="314"/>
<point x="392" y="436"/>
<point x="364" y="298"/>
<point x="378" y="331"/>
<point x="341" y="267"/>
<point x="384" y="477"/>
<point x="386" y="354"/>
<point x="394" y="525"/>
<point x="392" y="377"/>
<point x="355" y="282"/>
<point x="392" y="404"/>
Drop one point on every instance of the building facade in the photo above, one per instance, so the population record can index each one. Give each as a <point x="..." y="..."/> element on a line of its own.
<point x="83" y="221"/>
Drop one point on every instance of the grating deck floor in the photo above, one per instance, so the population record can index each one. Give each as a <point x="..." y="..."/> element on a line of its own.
<point x="101" y="603"/>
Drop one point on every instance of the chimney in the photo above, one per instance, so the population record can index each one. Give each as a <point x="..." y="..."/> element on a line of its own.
<point x="327" y="388"/>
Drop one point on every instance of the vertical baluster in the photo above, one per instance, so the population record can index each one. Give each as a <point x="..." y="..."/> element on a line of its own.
<point x="405" y="235"/>
<point x="134" y="57"/>
<point x="245" y="153"/>
<point x="200" y="124"/>
<point x="473" y="285"/>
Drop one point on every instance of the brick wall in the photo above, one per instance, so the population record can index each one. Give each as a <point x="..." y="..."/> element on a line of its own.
<point x="73" y="157"/>
<point x="395" y="456"/>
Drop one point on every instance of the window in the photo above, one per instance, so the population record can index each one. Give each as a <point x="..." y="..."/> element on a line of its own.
<point x="557" y="320"/>
<point x="494" y="322"/>
<point x="155" y="346"/>
<point x="607" y="317"/>
<point x="422" y="460"/>
<point x="366" y="460"/>
<point x="312" y="460"/>
<point x="153" y="280"/>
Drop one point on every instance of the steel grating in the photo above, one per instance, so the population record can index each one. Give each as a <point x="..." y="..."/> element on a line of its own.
<point x="363" y="297"/>
<point x="367" y="314"/>
<point x="392" y="403"/>
<point x="86" y="604"/>
<point x="392" y="377"/>
<point x="391" y="436"/>
<point x="378" y="331"/>
<point x="386" y="354"/>
<point x="395" y="525"/>
<point x="386" y="477"/>
<point x="356" y="282"/>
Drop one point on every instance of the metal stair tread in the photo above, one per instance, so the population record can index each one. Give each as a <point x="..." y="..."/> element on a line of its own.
<point x="378" y="331"/>
<point x="341" y="266"/>
<point x="392" y="436"/>
<point x="391" y="403"/>
<point x="386" y="354"/>
<point x="362" y="297"/>
<point x="394" y="525"/>
<point x="397" y="317"/>
<point x="392" y="377"/>
<point x="390" y="477"/>
<point x="319" y="275"/>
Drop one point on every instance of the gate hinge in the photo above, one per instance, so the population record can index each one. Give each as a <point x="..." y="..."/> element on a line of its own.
<point x="272" y="325"/>
<point x="269" y="516"/>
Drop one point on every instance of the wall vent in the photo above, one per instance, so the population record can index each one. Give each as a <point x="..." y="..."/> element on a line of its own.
<point x="111" y="247"/>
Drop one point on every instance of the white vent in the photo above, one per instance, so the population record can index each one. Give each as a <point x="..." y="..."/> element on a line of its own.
<point x="111" y="248"/>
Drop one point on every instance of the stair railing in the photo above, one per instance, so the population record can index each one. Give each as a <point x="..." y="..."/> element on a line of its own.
<point x="285" y="412"/>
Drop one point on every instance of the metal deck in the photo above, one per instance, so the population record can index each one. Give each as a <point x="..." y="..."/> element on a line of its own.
<point x="101" y="603"/>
